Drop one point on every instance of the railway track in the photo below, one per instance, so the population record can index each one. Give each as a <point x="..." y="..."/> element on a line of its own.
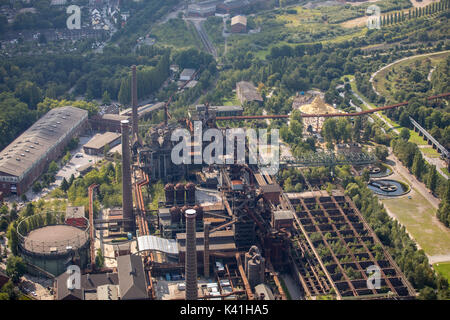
<point x="142" y="224"/>
<point x="204" y="38"/>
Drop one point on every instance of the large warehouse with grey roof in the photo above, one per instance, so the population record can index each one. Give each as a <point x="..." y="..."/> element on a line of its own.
<point x="26" y="158"/>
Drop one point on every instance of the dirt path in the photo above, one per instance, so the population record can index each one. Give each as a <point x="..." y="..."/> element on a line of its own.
<point x="357" y="22"/>
<point x="439" y="258"/>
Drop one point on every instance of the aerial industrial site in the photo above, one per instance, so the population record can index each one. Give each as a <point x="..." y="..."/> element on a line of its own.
<point x="297" y="169"/>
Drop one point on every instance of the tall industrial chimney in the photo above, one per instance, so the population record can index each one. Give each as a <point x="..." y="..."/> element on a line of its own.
<point x="206" y="226"/>
<point x="191" y="256"/>
<point x="134" y="101"/>
<point x="127" y="199"/>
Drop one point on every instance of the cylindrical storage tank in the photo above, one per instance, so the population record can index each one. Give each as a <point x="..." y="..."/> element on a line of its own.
<point x="183" y="217"/>
<point x="253" y="272"/>
<point x="256" y="270"/>
<point x="179" y="194"/>
<point x="199" y="211"/>
<point x="175" y="214"/>
<point x="170" y="194"/>
<point x="52" y="246"/>
<point x="190" y="194"/>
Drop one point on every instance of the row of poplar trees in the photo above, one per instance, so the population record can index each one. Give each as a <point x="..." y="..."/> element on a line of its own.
<point x="397" y="17"/>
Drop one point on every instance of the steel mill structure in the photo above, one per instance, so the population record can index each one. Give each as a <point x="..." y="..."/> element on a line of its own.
<point x="227" y="231"/>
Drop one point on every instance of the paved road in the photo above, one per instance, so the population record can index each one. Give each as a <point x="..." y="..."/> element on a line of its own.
<point x="440" y="164"/>
<point x="395" y="62"/>
<point x="439" y="258"/>
<point x="67" y="170"/>
<point x="412" y="180"/>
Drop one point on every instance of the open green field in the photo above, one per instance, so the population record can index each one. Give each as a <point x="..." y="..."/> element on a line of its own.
<point x="232" y="101"/>
<point x="176" y="33"/>
<point x="415" y="138"/>
<point x="443" y="268"/>
<point x="296" y="25"/>
<point x="430" y="152"/>
<point x="419" y="218"/>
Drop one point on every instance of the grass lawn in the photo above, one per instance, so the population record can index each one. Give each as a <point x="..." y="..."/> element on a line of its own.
<point x="430" y="152"/>
<point x="414" y="137"/>
<point x="419" y="218"/>
<point x="176" y="33"/>
<point x="232" y="101"/>
<point x="443" y="268"/>
<point x="446" y="171"/>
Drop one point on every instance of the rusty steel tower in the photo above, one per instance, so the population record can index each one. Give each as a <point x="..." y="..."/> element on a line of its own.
<point x="134" y="102"/>
<point x="127" y="198"/>
<point x="191" y="256"/>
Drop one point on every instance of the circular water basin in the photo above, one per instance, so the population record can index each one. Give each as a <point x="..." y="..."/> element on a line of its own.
<point x="386" y="187"/>
<point x="379" y="171"/>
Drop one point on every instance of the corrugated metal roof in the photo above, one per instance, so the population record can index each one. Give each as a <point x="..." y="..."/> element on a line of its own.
<point x="32" y="145"/>
<point x="157" y="244"/>
<point x="187" y="73"/>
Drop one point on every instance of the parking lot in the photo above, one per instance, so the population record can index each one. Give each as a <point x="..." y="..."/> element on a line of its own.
<point x="37" y="287"/>
<point x="66" y="171"/>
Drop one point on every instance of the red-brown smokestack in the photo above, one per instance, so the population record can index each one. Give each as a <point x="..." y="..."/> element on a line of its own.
<point x="134" y="101"/>
<point x="127" y="198"/>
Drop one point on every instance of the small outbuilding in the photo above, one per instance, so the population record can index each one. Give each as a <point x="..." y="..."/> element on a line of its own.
<point x="187" y="75"/>
<point x="239" y="24"/>
<point x="96" y="146"/>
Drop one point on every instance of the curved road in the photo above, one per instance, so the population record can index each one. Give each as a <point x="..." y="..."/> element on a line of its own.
<point x="400" y="60"/>
<point x="433" y="161"/>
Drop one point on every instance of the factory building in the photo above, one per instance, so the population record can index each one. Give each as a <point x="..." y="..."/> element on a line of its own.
<point x="91" y="286"/>
<point x="232" y="6"/>
<point x="247" y="92"/>
<point x="27" y="157"/>
<point x="227" y="111"/>
<point x="155" y="157"/>
<point x="219" y="241"/>
<point x="201" y="10"/>
<point x="187" y="75"/>
<point x="239" y="24"/>
<point x="132" y="280"/>
<point x="96" y="146"/>
<point x="107" y="122"/>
